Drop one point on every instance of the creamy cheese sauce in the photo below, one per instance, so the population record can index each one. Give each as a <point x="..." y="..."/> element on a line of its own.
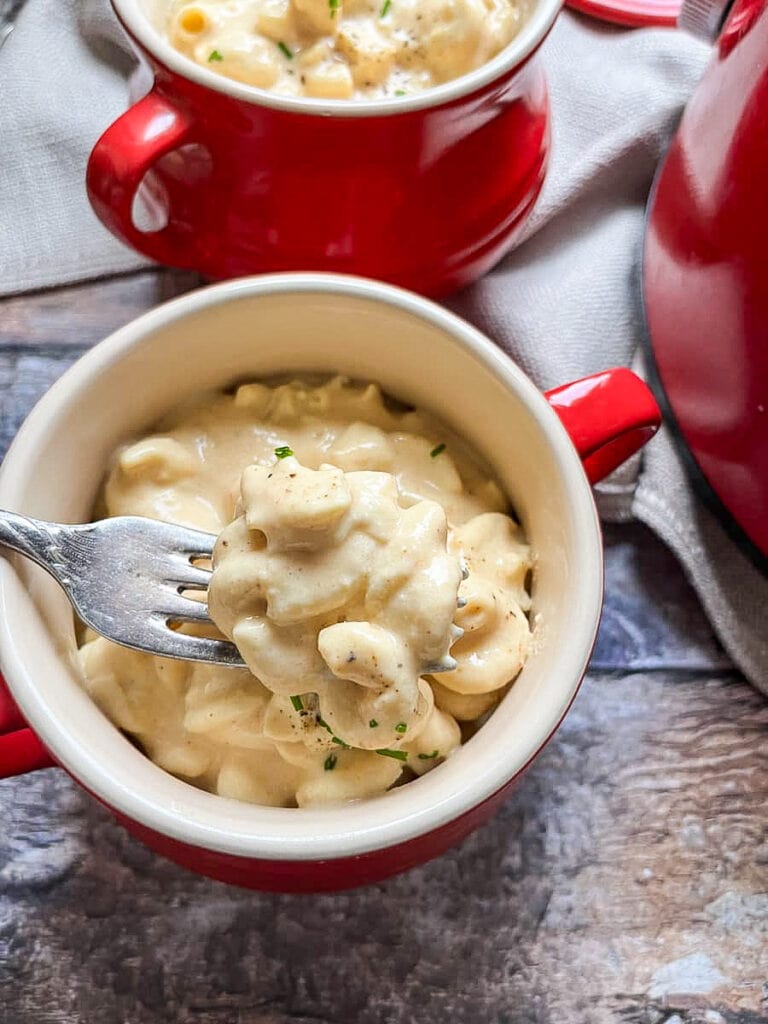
<point x="366" y="569"/>
<point x="342" y="49"/>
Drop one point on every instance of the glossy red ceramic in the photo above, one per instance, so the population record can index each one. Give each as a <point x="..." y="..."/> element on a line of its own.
<point x="609" y="416"/>
<point x="429" y="198"/>
<point x="634" y="13"/>
<point x="706" y="279"/>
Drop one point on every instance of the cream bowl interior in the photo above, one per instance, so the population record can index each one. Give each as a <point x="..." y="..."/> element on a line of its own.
<point x="145" y="20"/>
<point x="283" y="324"/>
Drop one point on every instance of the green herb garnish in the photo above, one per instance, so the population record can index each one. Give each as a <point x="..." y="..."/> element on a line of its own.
<point x="334" y="738"/>
<point x="286" y="50"/>
<point x="401" y="727"/>
<point x="333" y="6"/>
<point x="297" y="704"/>
<point x="385" y="8"/>
<point x="399" y="92"/>
<point x="437" y="451"/>
<point x="399" y="755"/>
<point x="373" y="724"/>
<point x="330" y="762"/>
<point x="215" y="55"/>
<point x="283" y="452"/>
<point x="429" y="757"/>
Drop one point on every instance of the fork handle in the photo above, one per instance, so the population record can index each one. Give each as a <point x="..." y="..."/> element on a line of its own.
<point x="34" y="538"/>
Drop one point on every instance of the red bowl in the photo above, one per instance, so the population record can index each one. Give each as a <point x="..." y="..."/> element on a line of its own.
<point x="421" y="354"/>
<point x="426" y="191"/>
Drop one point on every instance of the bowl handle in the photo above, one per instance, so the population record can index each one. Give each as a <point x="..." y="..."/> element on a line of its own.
<point x="127" y="150"/>
<point x="609" y="416"/>
<point x="20" y="750"/>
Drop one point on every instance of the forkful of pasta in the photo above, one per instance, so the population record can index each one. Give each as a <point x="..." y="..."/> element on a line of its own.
<point x="128" y="579"/>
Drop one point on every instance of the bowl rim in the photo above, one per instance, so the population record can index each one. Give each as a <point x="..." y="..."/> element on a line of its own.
<point x="211" y="822"/>
<point x="137" y="22"/>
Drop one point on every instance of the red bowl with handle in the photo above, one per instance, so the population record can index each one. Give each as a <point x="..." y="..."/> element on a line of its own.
<point x="427" y="191"/>
<point x="545" y="450"/>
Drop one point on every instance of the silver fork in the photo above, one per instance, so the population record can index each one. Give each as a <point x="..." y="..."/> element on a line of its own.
<point x="9" y="12"/>
<point x="125" y="578"/>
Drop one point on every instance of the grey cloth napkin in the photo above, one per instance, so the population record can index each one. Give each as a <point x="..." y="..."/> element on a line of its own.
<point x="62" y="82"/>
<point x="564" y="304"/>
<point x="732" y="591"/>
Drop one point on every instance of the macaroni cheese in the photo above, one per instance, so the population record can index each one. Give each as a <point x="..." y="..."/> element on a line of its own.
<point x="367" y="572"/>
<point x="339" y="49"/>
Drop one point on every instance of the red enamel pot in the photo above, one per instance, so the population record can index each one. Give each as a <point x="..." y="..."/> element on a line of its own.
<point x="545" y="450"/>
<point x="426" y="191"/>
<point x="706" y="274"/>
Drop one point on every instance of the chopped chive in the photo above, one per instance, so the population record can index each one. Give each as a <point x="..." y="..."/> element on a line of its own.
<point x="297" y="704"/>
<point x="429" y="757"/>
<point x="385" y="8"/>
<point x="334" y="738"/>
<point x="401" y="727"/>
<point x="437" y="451"/>
<point x="399" y="755"/>
<point x="333" y="6"/>
<point x="215" y="55"/>
<point x="330" y="762"/>
<point x="283" y="452"/>
<point x="399" y="92"/>
<point x="289" y="54"/>
<point x="373" y="724"/>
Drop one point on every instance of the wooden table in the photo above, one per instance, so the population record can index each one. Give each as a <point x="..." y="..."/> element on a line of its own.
<point x="625" y="880"/>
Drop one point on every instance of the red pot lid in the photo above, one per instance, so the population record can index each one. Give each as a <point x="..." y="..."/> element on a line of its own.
<point x="631" y="12"/>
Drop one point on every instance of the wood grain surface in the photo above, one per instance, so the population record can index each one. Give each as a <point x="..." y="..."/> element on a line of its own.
<point x="626" y="880"/>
